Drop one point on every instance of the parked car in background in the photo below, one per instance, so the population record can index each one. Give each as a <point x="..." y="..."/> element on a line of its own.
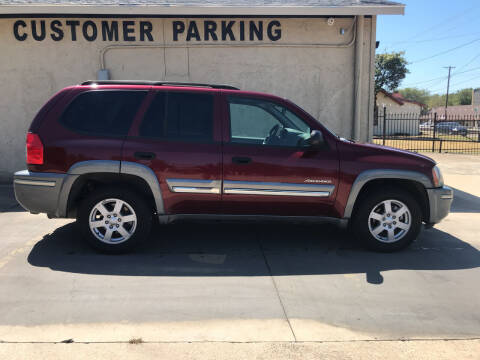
<point x="428" y="125"/>
<point x="117" y="154"/>
<point x="452" y="128"/>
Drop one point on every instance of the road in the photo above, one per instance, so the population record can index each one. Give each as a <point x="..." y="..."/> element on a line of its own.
<point x="302" y="288"/>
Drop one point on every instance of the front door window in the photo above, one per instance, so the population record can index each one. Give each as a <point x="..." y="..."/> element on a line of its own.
<point x="261" y="122"/>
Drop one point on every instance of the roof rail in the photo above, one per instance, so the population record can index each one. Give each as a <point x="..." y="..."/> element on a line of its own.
<point x="156" y="83"/>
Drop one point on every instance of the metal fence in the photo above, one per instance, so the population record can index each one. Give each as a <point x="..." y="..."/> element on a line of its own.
<point x="430" y="133"/>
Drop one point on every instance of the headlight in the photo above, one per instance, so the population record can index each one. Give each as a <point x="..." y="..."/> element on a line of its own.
<point x="437" y="177"/>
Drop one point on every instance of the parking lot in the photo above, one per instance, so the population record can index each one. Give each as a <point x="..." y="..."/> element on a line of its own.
<point x="253" y="288"/>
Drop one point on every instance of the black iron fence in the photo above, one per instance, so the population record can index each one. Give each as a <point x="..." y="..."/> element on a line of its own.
<point x="432" y="132"/>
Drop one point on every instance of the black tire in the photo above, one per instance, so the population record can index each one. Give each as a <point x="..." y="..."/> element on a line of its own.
<point x="360" y="219"/>
<point x="138" y="204"/>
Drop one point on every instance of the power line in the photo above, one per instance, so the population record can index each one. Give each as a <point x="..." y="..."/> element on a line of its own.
<point x="465" y="71"/>
<point x="445" y="52"/>
<point x="431" y="40"/>
<point x="438" y="84"/>
<point x="448" y="30"/>
<point x="426" y="81"/>
<point x="469" y="70"/>
<point x="463" y="82"/>
<point x="471" y="61"/>
<point x="456" y="85"/>
<point x="442" y="23"/>
<point x="443" y="77"/>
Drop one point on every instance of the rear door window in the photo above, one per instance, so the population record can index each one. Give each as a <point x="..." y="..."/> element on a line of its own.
<point x="179" y="116"/>
<point x="103" y="112"/>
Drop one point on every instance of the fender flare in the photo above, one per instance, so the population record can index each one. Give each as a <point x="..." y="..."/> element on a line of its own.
<point x="109" y="166"/>
<point x="369" y="175"/>
<point x="147" y="174"/>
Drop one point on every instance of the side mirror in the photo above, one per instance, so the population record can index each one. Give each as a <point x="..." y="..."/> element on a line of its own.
<point x="316" y="139"/>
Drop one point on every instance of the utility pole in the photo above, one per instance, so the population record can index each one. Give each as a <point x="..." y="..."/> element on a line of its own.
<point x="448" y="88"/>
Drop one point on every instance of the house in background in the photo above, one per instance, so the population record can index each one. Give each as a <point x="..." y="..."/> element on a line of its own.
<point x="403" y="115"/>
<point x="461" y="112"/>
<point x="458" y="111"/>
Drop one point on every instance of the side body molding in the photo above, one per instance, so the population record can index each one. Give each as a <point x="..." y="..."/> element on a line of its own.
<point x="369" y="175"/>
<point x="281" y="189"/>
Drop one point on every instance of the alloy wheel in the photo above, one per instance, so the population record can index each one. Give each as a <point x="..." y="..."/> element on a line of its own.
<point x="113" y="221"/>
<point x="389" y="221"/>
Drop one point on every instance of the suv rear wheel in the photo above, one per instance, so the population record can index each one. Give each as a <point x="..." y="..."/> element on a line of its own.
<point x="387" y="221"/>
<point x="114" y="220"/>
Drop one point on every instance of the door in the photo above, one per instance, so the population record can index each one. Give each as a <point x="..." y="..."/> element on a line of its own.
<point x="268" y="167"/>
<point x="178" y="137"/>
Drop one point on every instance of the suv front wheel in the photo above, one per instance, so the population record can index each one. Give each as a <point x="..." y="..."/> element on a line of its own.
<point x="387" y="221"/>
<point x="114" y="220"/>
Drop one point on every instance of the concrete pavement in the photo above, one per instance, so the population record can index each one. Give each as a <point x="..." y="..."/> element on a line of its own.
<point x="279" y="290"/>
<point x="361" y="350"/>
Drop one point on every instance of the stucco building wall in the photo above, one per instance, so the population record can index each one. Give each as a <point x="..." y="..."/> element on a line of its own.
<point x="312" y="64"/>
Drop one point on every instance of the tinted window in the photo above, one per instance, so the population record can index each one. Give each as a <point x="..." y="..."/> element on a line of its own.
<point x="261" y="122"/>
<point x="103" y="112"/>
<point x="182" y="116"/>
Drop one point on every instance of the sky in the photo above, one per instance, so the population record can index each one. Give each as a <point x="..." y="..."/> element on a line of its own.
<point x="435" y="34"/>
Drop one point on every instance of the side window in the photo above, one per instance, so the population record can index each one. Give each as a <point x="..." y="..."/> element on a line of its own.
<point x="153" y="123"/>
<point x="179" y="116"/>
<point x="256" y="121"/>
<point x="250" y="122"/>
<point x="103" y="112"/>
<point x="295" y="120"/>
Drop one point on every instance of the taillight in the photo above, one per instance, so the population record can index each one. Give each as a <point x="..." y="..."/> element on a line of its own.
<point x="34" y="150"/>
<point x="437" y="177"/>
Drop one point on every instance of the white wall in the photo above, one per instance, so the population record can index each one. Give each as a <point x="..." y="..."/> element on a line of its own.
<point x="407" y="119"/>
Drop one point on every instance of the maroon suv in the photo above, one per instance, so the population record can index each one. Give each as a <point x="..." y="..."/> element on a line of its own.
<point x="114" y="154"/>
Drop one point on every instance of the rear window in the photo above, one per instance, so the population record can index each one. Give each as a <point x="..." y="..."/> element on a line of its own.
<point x="104" y="112"/>
<point x="179" y="116"/>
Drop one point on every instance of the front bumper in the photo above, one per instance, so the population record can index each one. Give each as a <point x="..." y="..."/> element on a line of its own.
<point x="440" y="200"/>
<point x="40" y="192"/>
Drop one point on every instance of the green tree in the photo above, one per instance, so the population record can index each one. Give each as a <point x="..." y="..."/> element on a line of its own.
<point x="415" y="94"/>
<point x="464" y="97"/>
<point x="437" y="100"/>
<point x="390" y="70"/>
<point x="461" y="97"/>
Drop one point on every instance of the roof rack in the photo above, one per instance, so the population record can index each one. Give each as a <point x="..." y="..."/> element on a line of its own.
<point x="156" y="83"/>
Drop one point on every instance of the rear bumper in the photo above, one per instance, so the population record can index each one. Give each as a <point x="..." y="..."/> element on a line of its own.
<point x="440" y="200"/>
<point x="40" y="192"/>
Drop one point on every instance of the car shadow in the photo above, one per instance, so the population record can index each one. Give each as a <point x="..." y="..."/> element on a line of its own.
<point x="465" y="202"/>
<point x="8" y="203"/>
<point x="193" y="249"/>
